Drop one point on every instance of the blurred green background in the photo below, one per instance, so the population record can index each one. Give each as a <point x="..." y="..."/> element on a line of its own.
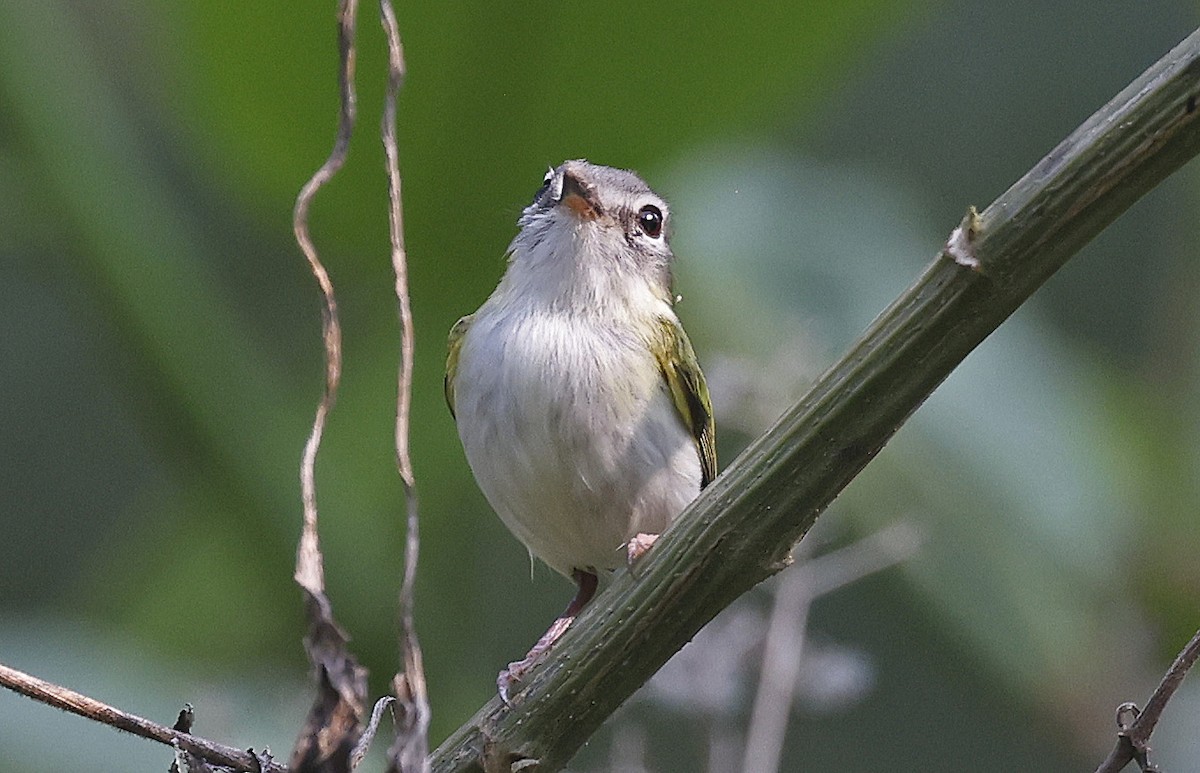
<point x="160" y="362"/>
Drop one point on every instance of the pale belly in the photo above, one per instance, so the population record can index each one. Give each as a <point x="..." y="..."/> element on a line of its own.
<point x="572" y="436"/>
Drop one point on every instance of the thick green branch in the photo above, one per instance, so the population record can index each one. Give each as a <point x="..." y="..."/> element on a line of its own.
<point x="740" y="531"/>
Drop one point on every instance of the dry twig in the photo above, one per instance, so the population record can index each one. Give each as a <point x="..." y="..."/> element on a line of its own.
<point x="333" y="728"/>
<point x="786" y="635"/>
<point x="410" y="753"/>
<point x="1133" y="738"/>
<point x="90" y="708"/>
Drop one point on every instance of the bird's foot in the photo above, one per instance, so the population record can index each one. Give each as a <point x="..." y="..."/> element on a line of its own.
<point x="509" y="677"/>
<point x="638" y="546"/>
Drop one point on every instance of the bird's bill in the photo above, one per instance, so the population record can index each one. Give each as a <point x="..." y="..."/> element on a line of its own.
<point x="577" y="197"/>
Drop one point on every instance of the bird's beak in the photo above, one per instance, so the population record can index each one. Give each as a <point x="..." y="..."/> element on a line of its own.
<point x="578" y="196"/>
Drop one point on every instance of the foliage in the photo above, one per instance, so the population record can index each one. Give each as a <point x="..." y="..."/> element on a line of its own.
<point x="162" y="355"/>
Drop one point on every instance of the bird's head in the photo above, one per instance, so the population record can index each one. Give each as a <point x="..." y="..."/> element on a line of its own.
<point x="595" y="228"/>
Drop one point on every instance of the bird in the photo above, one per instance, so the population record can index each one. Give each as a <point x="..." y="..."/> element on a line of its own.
<point x="577" y="396"/>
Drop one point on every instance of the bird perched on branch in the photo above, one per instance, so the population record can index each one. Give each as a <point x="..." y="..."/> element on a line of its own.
<point x="583" y="413"/>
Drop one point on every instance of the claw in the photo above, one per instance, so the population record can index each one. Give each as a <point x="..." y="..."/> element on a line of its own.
<point x="505" y="681"/>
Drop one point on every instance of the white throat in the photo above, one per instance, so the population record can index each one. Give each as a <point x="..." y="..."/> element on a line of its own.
<point x="562" y="264"/>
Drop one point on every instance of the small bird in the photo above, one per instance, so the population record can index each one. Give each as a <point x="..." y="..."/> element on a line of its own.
<point x="581" y="408"/>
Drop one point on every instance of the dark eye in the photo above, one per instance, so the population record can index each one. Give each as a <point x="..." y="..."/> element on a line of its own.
<point x="650" y="220"/>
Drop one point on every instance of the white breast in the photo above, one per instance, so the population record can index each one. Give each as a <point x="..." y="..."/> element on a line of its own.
<point x="571" y="434"/>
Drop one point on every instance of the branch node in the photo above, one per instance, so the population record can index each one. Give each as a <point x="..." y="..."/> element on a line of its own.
<point x="1127" y="714"/>
<point x="187" y="716"/>
<point x="779" y="564"/>
<point x="960" y="247"/>
<point x="263" y="759"/>
<point x="498" y="758"/>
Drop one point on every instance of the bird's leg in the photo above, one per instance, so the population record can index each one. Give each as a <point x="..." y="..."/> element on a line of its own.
<point x="586" y="583"/>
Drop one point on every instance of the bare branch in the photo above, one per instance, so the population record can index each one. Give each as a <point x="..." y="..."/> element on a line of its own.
<point x="786" y="631"/>
<point x="368" y="736"/>
<point x="410" y="753"/>
<point x="90" y="708"/>
<point x="1133" y="739"/>
<point x="881" y="550"/>
<point x="782" y="652"/>
<point x="333" y="727"/>
<point x="310" y="573"/>
<point x="1144" y="725"/>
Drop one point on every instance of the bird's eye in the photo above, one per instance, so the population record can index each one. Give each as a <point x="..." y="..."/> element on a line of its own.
<point x="650" y="220"/>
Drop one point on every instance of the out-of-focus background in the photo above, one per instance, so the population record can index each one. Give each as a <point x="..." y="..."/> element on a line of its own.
<point x="160" y="362"/>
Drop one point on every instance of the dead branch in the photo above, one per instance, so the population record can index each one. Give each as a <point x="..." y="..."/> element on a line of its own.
<point x="90" y="708"/>
<point x="333" y="728"/>
<point x="410" y="752"/>
<point x="1134" y="726"/>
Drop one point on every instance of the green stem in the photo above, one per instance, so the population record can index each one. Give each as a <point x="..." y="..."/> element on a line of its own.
<point x="742" y="528"/>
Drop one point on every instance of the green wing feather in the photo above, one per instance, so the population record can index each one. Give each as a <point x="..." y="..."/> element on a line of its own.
<point x="457" y="334"/>
<point x="689" y="392"/>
